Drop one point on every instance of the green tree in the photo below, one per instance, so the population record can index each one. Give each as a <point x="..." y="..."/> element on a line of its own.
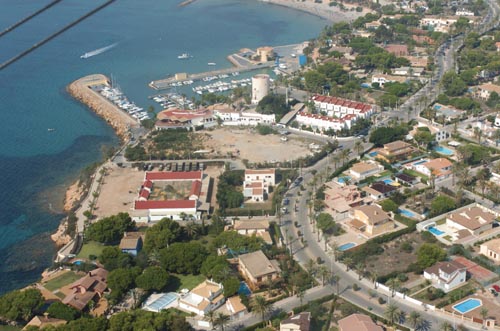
<point x="442" y="204"/>
<point x="121" y="280"/>
<point x="215" y="267"/>
<point x="162" y="234"/>
<point x="183" y="258"/>
<point x="429" y="254"/>
<point x="152" y="278"/>
<point x="392" y="313"/>
<point x="62" y="311"/>
<point x="110" y="230"/>
<point x="222" y="320"/>
<point x="231" y="286"/>
<point x="261" y="306"/>
<point x="389" y="205"/>
<point x="20" y="305"/>
<point x="113" y="258"/>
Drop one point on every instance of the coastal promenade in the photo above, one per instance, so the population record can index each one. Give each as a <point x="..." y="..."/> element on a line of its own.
<point x="165" y="83"/>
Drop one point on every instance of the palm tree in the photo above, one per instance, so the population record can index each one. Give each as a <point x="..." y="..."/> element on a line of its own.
<point x="261" y="306"/>
<point x="415" y="319"/>
<point x="393" y="284"/>
<point x="360" y="268"/>
<point x="311" y="268"/>
<point x="478" y="133"/>
<point x="358" y="146"/>
<point x="373" y="278"/>
<point x="336" y="280"/>
<point x="344" y="155"/>
<point x="392" y="312"/>
<point x="324" y="273"/>
<point x="336" y="160"/>
<point x="348" y="263"/>
<point x="211" y="318"/>
<point x="221" y="320"/>
<point x="446" y="326"/>
<point x="484" y="313"/>
<point x="191" y="229"/>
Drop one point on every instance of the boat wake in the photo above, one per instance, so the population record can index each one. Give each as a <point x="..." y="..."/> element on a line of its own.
<point x="98" y="51"/>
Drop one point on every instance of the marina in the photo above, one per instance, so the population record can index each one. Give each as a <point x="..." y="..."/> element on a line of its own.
<point x="181" y="78"/>
<point x="116" y="96"/>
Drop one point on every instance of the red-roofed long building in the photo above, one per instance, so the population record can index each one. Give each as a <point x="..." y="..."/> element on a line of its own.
<point x="148" y="209"/>
<point x="341" y="113"/>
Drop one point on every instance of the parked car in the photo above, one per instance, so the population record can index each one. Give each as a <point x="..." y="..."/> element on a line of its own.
<point x="496" y="288"/>
<point x="492" y="291"/>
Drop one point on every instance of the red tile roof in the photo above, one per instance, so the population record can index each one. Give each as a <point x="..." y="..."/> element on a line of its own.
<point x="342" y="102"/>
<point x="169" y="175"/>
<point x="144" y="194"/>
<point x="195" y="188"/>
<point x="165" y="204"/>
<point x="148" y="184"/>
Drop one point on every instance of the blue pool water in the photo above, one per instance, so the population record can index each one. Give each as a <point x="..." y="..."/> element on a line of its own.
<point x="244" y="289"/>
<point x="420" y="162"/>
<point x="435" y="231"/>
<point x="407" y="213"/>
<point x="373" y="154"/>
<point x="388" y="181"/>
<point x="347" y="246"/>
<point x="343" y="179"/>
<point x="443" y="150"/>
<point x="467" y="305"/>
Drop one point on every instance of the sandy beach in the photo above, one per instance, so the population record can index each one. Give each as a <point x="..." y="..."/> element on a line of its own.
<point x="323" y="10"/>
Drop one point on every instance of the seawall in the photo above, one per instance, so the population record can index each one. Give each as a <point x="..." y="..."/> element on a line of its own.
<point x="114" y="116"/>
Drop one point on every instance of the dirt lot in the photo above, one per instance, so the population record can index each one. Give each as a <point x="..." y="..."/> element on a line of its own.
<point x="121" y="186"/>
<point x="251" y="145"/>
<point x="118" y="191"/>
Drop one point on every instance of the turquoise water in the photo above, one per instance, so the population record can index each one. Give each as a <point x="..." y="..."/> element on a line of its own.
<point x="467" y="305"/>
<point x="420" y="162"/>
<point x="443" y="150"/>
<point x="435" y="231"/>
<point x="407" y="213"/>
<point x="373" y="154"/>
<point x="388" y="181"/>
<point x="244" y="289"/>
<point x="37" y="164"/>
<point x="347" y="246"/>
<point x="343" y="179"/>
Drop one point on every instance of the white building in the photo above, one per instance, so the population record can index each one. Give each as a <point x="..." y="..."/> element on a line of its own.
<point x="204" y="298"/>
<point x="446" y="275"/>
<point x="440" y="167"/>
<point x="365" y="169"/>
<point x="442" y="135"/>
<point x="464" y="12"/>
<point x="491" y="249"/>
<point x="260" y="87"/>
<point x="257" y="182"/>
<point x="476" y="220"/>
<point x="382" y="79"/>
<point x="235" y="118"/>
<point x="439" y="24"/>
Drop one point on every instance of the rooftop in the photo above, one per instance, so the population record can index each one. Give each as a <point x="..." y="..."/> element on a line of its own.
<point x="258" y="264"/>
<point x="374" y="213"/>
<point x="165" y="204"/>
<point x="362" y="167"/>
<point x="493" y="245"/>
<point x="472" y="218"/>
<point x="303" y="320"/>
<point x="170" y="175"/>
<point x="358" y="322"/>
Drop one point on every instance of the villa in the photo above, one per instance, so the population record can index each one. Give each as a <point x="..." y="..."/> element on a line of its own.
<point x="379" y="190"/>
<point x="449" y="113"/>
<point x="439" y="24"/>
<point x="253" y="227"/>
<point x="358" y="322"/>
<point x="484" y="91"/>
<point x="440" y="168"/>
<point x="396" y="150"/>
<point x="475" y="220"/>
<point x="446" y="275"/>
<point x="398" y="50"/>
<point x="87" y="289"/>
<point x="406" y="179"/>
<point x="235" y="307"/>
<point x="231" y="117"/>
<point x="257" y="269"/>
<point x="204" y="298"/>
<point x="371" y="220"/>
<point x="365" y="169"/>
<point x="382" y="79"/>
<point x="491" y="249"/>
<point x="299" y="322"/>
<point x="257" y="183"/>
<point x="131" y="243"/>
<point x="341" y="199"/>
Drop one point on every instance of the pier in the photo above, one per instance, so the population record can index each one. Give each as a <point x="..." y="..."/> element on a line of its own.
<point x="165" y="83"/>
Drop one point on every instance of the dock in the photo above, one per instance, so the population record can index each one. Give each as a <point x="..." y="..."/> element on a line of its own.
<point x="166" y="82"/>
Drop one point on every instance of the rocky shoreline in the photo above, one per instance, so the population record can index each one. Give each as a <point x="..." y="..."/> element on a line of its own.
<point x="115" y="117"/>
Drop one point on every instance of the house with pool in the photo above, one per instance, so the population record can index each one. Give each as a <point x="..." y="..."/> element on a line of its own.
<point x="446" y="275"/>
<point x="339" y="199"/>
<point x="475" y="220"/>
<point x="257" y="269"/>
<point x="364" y="169"/>
<point x="440" y="167"/>
<point x="396" y="150"/>
<point x="380" y="190"/>
<point x="370" y="221"/>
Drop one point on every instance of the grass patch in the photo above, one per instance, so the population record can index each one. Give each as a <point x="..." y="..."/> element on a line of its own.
<point x="448" y="237"/>
<point x="63" y="280"/>
<point x="178" y="282"/>
<point x="441" y="221"/>
<point x="9" y="328"/>
<point x="90" y="248"/>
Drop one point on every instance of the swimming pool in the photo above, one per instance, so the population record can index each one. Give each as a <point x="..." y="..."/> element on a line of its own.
<point x="347" y="246"/>
<point x="407" y="213"/>
<point x="244" y="289"/>
<point x="388" y="181"/>
<point x="343" y="179"/>
<point x="435" y="231"/>
<point x="443" y="150"/>
<point x="373" y="154"/>
<point x="419" y="162"/>
<point x="467" y="305"/>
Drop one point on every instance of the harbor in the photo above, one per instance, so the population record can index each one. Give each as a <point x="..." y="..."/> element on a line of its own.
<point x="166" y="83"/>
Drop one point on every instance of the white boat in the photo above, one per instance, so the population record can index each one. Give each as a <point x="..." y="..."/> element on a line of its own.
<point x="184" y="56"/>
<point x="212" y="63"/>
<point x="97" y="51"/>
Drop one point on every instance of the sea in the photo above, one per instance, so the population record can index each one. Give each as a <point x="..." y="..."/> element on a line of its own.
<point x="47" y="138"/>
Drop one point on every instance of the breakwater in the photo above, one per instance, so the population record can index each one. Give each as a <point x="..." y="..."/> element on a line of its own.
<point x="114" y="116"/>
